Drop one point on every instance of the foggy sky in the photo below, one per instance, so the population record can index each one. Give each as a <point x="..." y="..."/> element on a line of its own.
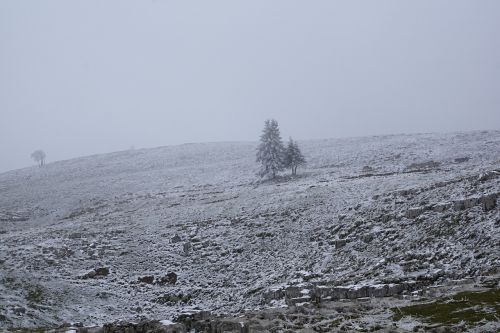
<point x="86" y="77"/>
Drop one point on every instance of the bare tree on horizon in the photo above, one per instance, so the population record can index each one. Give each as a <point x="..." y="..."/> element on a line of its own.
<point x="39" y="157"/>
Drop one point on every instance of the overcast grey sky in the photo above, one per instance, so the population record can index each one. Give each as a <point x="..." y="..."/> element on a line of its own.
<point x="85" y="77"/>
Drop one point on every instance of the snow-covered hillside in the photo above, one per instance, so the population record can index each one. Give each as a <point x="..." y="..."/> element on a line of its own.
<point x="157" y="232"/>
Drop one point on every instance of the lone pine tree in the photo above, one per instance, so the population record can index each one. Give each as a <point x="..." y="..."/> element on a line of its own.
<point x="271" y="152"/>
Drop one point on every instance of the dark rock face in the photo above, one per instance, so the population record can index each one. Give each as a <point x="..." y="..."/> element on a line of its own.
<point x="176" y="239"/>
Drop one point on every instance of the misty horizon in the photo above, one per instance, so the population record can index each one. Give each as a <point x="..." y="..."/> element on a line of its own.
<point x="32" y="163"/>
<point x="88" y="78"/>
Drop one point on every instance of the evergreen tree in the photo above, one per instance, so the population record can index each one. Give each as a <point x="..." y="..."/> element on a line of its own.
<point x="271" y="152"/>
<point x="293" y="156"/>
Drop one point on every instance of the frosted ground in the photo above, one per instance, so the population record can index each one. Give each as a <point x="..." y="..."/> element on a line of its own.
<point x="155" y="233"/>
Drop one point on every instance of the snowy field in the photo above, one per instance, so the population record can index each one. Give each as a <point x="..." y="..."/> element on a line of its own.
<point x="153" y="233"/>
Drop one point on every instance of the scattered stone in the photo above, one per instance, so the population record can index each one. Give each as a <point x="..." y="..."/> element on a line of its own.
<point x="340" y="243"/>
<point x="414" y="212"/>
<point x="367" y="169"/>
<point x="143" y="326"/>
<point x="441" y="207"/>
<point x="462" y="159"/>
<point x="489" y="175"/>
<point x="97" y="273"/>
<point x="170" y="278"/>
<point x="102" y="271"/>
<point x="19" y="310"/>
<point x="147" y="279"/>
<point x="367" y="238"/>
<point x="186" y="247"/>
<point x="489" y="202"/>
<point x="423" y="166"/>
<point x="173" y="299"/>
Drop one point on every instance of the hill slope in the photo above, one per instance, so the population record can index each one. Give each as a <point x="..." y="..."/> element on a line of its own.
<point x="154" y="233"/>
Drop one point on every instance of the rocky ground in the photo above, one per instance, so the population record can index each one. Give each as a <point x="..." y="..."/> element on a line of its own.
<point x="372" y="232"/>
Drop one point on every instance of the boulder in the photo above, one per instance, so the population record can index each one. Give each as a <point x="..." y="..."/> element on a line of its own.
<point x="414" y="212"/>
<point x="488" y="202"/>
<point x="340" y="243"/>
<point x="97" y="273"/>
<point x="441" y="207"/>
<point x="102" y="271"/>
<point x="147" y="279"/>
<point x="488" y="175"/>
<point x="186" y="247"/>
<point x="461" y="159"/>
<point x="367" y="169"/>
<point x="170" y="278"/>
